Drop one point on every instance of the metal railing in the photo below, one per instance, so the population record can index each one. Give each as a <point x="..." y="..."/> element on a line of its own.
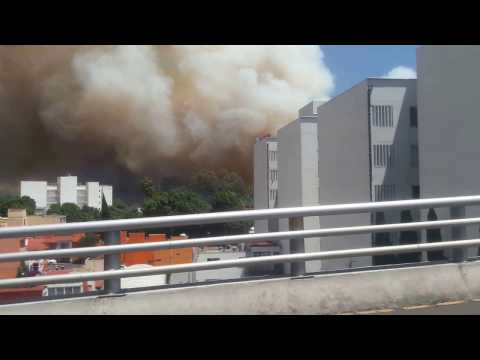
<point x="112" y="249"/>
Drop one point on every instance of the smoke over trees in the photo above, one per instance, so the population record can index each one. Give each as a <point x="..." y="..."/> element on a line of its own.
<point x="147" y="110"/>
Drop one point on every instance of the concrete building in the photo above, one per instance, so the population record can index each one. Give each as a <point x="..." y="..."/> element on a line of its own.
<point x="298" y="176"/>
<point x="66" y="190"/>
<point x="265" y="187"/>
<point x="449" y="127"/>
<point x="367" y="151"/>
<point x="19" y="217"/>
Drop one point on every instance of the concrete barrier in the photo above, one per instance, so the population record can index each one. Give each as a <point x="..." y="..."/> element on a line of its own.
<point x="322" y="294"/>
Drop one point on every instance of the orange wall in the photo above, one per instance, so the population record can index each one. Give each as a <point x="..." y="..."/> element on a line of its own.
<point x="8" y="270"/>
<point x="173" y="256"/>
<point x="136" y="257"/>
<point x="158" y="257"/>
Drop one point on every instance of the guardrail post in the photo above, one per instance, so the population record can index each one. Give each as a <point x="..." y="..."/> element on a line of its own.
<point x="112" y="262"/>
<point x="458" y="233"/>
<point x="297" y="246"/>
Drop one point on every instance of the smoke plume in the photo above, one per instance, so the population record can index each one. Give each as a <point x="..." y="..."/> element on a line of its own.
<point x="113" y="111"/>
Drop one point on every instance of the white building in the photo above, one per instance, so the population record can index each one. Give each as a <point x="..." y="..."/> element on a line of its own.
<point x="367" y="138"/>
<point x="298" y="176"/>
<point x="448" y="128"/>
<point x="360" y="146"/>
<point x="265" y="177"/>
<point x="67" y="190"/>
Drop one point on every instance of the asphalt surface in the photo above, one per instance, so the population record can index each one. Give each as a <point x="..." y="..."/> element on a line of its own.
<point x="449" y="308"/>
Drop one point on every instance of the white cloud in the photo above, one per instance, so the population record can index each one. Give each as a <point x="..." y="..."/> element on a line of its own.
<point x="401" y="72"/>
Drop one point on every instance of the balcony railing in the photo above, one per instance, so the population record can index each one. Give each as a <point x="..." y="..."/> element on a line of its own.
<point x="112" y="249"/>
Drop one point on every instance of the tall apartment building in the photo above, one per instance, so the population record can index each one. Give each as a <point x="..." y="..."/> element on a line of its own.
<point x="298" y="176"/>
<point x="449" y="128"/>
<point x="67" y="190"/>
<point x="265" y="187"/>
<point x="367" y="151"/>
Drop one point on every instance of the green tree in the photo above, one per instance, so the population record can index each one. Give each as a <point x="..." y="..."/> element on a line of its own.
<point x="205" y="182"/>
<point x="225" y="200"/>
<point x="5" y="201"/>
<point x="55" y="209"/>
<point x="230" y="180"/>
<point x="16" y="202"/>
<point x="105" y="213"/>
<point x="147" y="187"/>
<point x="175" y="203"/>
<point x="70" y="210"/>
<point x="89" y="214"/>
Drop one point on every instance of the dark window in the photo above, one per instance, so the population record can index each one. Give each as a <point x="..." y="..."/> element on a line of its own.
<point x="413" y="117"/>
<point x="416" y="192"/>
<point x="213" y="259"/>
<point x="414" y="156"/>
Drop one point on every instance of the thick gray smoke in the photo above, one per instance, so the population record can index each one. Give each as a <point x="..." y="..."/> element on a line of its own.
<point x="147" y="110"/>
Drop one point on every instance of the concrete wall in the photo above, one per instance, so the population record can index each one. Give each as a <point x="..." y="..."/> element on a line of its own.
<point x="94" y="195"/>
<point x="343" y="169"/>
<point x="67" y="189"/>
<point x="310" y="109"/>
<point x="401" y="95"/>
<point x="298" y="178"/>
<point x="325" y="294"/>
<point x="218" y="274"/>
<point x="37" y="190"/>
<point x="448" y="102"/>
<point x="263" y="182"/>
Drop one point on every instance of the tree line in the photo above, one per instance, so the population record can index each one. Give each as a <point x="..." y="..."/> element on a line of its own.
<point x="206" y="191"/>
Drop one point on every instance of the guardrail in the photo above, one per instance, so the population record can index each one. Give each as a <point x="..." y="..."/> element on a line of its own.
<point x="112" y="249"/>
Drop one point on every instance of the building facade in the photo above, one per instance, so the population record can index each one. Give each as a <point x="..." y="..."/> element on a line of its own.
<point x="67" y="190"/>
<point x="265" y="187"/>
<point x="298" y="177"/>
<point x="367" y="151"/>
<point x="449" y="125"/>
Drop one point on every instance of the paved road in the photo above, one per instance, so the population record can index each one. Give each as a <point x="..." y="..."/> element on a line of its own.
<point x="465" y="308"/>
<point x="450" y="308"/>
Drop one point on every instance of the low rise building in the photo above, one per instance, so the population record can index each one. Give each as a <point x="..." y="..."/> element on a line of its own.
<point x="157" y="257"/>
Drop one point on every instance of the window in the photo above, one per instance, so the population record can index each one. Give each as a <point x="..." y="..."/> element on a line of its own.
<point x="416" y="192"/>
<point x="414" y="156"/>
<point x="413" y="117"/>
<point x="273" y="195"/>
<point x="381" y="115"/>
<point x="213" y="259"/>
<point x="272" y="155"/>
<point x="383" y="155"/>
<point x="384" y="192"/>
<point x="273" y="175"/>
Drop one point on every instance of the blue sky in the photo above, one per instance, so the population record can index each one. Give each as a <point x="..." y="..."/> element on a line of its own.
<point x="351" y="64"/>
